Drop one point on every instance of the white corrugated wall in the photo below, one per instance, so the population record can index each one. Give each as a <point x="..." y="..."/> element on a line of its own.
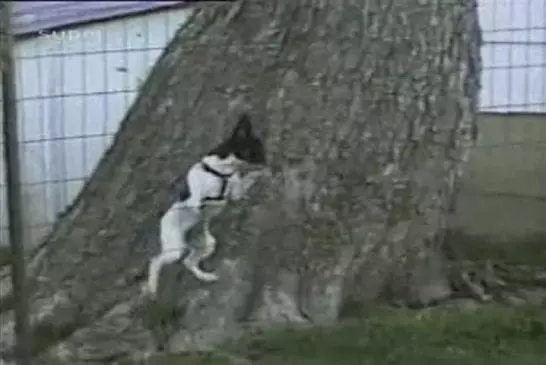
<point x="74" y="87"/>
<point x="514" y="56"/>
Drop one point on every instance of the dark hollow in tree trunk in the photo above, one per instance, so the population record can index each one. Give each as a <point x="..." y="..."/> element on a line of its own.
<point x="367" y="108"/>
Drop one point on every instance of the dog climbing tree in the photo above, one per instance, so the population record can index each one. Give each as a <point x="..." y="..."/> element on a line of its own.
<point x="367" y="108"/>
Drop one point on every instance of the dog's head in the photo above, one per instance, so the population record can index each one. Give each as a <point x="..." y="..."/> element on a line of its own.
<point x="243" y="145"/>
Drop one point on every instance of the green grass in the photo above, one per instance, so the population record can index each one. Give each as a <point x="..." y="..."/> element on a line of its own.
<point x="493" y="336"/>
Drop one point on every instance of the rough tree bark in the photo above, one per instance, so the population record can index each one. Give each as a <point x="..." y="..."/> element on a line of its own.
<point x="367" y="108"/>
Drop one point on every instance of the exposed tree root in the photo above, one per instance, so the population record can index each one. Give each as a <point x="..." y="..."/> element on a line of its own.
<point x="495" y="281"/>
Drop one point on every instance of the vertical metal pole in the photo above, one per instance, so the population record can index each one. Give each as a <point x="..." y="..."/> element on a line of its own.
<point x="11" y="148"/>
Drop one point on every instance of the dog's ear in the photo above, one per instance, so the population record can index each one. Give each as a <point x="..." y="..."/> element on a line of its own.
<point x="243" y="129"/>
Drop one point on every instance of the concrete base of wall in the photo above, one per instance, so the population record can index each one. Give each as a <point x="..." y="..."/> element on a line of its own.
<point x="504" y="184"/>
<point x="499" y="216"/>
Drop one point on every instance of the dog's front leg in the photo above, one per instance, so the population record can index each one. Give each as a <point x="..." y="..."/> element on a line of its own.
<point x="241" y="185"/>
<point x="209" y="240"/>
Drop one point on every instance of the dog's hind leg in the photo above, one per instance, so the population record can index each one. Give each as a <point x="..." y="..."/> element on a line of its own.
<point x="173" y="227"/>
<point x="156" y="264"/>
<point x="198" y="254"/>
<point x="192" y="262"/>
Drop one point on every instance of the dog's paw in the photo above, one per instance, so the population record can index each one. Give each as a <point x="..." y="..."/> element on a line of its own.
<point x="147" y="291"/>
<point x="207" y="277"/>
<point x="210" y="241"/>
<point x="254" y="175"/>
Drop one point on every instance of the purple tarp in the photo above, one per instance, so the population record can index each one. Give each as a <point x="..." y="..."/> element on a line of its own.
<point x="33" y="16"/>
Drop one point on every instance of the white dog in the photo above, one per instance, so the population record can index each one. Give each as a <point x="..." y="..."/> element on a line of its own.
<point x="210" y="183"/>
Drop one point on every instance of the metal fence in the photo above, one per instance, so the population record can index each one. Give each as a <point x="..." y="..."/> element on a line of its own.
<point x="75" y="84"/>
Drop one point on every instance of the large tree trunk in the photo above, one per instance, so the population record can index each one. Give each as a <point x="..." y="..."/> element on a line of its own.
<point x="367" y="108"/>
